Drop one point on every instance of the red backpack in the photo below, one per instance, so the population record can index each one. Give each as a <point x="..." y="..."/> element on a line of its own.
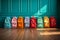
<point x="52" y="22"/>
<point x="33" y="22"/>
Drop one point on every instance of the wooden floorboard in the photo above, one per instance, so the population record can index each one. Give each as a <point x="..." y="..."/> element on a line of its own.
<point x="30" y="34"/>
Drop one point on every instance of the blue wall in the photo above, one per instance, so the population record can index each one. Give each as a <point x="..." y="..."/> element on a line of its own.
<point x="27" y="8"/>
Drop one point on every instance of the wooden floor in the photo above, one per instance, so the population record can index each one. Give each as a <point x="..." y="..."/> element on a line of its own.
<point x="30" y="34"/>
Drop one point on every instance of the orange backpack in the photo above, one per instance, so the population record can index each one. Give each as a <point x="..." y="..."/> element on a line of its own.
<point x="20" y="22"/>
<point x="46" y="22"/>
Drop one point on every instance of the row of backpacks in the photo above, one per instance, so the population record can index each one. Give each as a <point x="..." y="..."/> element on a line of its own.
<point x="32" y="22"/>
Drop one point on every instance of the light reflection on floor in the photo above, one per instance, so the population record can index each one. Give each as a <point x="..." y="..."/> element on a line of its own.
<point x="49" y="31"/>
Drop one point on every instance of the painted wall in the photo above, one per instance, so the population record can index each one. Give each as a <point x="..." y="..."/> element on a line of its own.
<point x="27" y="8"/>
<point x="0" y="6"/>
<point x="58" y="13"/>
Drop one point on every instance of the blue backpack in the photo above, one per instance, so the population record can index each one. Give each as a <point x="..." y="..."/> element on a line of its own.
<point x="7" y="23"/>
<point x="27" y="22"/>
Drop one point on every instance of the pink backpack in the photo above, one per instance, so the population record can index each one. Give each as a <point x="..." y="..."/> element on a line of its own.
<point x="14" y="22"/>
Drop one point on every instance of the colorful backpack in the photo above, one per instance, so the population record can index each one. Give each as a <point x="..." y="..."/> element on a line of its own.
<point x="33" y="22"/>
<point x="46" y="22"/>
<point x="7" y="23"/>
<point x="27" y="22"/>
<point x="20" y="22"/>
<point x="40" y="22"/>
<point x="52" y="22"/>
<point x="14" y="22"/>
